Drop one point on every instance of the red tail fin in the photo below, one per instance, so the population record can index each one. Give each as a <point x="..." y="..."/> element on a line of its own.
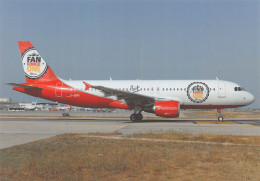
<point x="35" y="68"/>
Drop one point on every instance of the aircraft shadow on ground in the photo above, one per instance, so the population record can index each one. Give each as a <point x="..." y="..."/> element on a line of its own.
<point x="153" y="120"/>
<point x="126" y="120"/>
<point x="163" y="121"/>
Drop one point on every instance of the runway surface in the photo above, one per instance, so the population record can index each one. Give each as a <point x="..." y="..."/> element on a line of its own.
<point x="20" y="130"/>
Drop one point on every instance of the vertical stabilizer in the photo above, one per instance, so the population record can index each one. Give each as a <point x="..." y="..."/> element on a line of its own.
<point x="35" y="68"/>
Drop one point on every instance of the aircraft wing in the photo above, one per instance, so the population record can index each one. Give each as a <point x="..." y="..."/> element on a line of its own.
<point x="23" y="86"/>
<point x="129" y="97"/>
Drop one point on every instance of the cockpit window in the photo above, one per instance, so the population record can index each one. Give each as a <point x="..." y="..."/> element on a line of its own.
<point x="239" y="89"/>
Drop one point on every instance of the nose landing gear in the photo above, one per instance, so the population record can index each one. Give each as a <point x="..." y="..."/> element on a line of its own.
<point x="220" y="117"/>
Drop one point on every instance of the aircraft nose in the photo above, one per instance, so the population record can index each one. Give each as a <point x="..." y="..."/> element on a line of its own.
<point x="250" y="98"/>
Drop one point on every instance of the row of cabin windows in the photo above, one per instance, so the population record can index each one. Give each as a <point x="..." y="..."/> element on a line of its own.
<point x="158" y="89"/>
<point x="163" y="89"/>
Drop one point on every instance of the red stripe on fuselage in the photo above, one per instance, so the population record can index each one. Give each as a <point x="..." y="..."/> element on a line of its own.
<point x="76" y="97"/>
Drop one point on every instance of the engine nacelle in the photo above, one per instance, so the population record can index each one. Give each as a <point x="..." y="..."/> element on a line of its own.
<point x="167" y="109"/>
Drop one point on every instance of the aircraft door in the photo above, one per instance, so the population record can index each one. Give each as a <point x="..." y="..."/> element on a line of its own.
<point x="221" y="90"/>
<point x="58" y="90"/>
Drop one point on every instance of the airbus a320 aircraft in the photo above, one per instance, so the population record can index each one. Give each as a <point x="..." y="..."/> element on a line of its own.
<point x="164" y="98"/>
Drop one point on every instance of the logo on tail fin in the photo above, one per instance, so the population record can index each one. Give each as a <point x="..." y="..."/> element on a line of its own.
<point x="33" y="64"/>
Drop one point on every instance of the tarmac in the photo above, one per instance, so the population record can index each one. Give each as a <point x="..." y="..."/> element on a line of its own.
<point x="16" y="129"/>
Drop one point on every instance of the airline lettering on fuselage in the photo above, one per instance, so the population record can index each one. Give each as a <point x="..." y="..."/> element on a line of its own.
<point x="134" y="88"/>
<point x="198" y="92"/>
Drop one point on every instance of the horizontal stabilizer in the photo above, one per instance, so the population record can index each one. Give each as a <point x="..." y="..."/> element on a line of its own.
<point x="23" y="86"/>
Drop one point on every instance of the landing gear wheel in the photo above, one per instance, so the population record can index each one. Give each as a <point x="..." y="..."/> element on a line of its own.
<point x="220" y="118"/>
<point x="136" y="117"/>
<point x="140" y="117"/>
<point x="133" y="117"/>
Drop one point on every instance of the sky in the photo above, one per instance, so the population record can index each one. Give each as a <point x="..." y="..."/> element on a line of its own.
<point x="96" y="40"/>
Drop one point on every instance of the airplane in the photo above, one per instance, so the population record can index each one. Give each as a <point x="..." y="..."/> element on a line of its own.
<point x="62" y="108"/>
<point x="164" y="98"/>
<point x="31" y="107"/>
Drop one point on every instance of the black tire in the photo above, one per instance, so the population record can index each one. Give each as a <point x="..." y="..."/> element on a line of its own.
<point x="136" y="117"/>
<point x="220" y="118"/>
<point x="139" y="117"/>
<point x="133" y="117"/>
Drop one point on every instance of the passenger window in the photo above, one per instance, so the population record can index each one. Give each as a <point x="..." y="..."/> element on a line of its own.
<point x="177" y="89"/>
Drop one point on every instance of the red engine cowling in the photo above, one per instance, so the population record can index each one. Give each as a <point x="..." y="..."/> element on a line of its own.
<point x="167" y="109"/>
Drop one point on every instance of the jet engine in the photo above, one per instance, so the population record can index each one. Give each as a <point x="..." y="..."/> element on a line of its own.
<point x="167" y="109"/>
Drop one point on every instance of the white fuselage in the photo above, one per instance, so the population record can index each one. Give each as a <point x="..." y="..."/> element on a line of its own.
<point x="214" y="93"/>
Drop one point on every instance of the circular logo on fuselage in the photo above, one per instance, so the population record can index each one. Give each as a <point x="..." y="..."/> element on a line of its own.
<point x="198" y="92"/>
<point x="33" y="64"/>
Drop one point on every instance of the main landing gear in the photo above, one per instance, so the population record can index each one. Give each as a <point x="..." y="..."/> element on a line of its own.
<point x="136" y="117"/>
<point x="220" y="117"/>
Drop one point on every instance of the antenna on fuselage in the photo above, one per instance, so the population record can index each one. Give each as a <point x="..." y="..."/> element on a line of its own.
<point x="216" y="78"/>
